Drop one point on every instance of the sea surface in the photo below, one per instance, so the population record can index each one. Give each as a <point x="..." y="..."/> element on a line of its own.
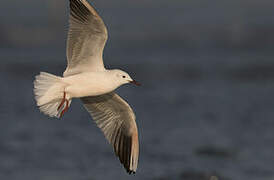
<point x="205" y="109"/>
<point x="195" y="120"/>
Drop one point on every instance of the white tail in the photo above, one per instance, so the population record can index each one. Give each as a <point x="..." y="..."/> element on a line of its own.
<point x="49" y="90"/>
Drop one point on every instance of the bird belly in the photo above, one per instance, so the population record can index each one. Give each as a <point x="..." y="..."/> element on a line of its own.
<point x="89" y="84"/>
<point x="84" y="90"/>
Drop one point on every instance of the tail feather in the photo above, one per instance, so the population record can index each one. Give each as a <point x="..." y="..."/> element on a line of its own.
<point x="49" y="90"/>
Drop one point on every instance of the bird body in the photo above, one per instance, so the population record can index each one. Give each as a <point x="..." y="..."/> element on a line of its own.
<point x="94" y="84"/>
<point x="86" y="78"/>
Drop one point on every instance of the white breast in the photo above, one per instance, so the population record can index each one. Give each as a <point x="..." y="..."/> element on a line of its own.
<point x="89" y="84"/>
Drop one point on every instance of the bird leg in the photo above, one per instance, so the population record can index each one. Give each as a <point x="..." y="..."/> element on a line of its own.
<point x="65" y="109"/>
<point x="62" y="104"/>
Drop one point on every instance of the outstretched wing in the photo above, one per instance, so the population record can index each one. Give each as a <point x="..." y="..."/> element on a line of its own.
<point x="86" y="40"/>
<point x="117" y="121"/>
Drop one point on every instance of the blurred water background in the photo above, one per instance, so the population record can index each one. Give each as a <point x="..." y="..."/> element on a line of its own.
<point x="205" y="108"/>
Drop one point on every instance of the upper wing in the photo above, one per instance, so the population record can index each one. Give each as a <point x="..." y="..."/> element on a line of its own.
<point x="117" y="121"/>
<point x="86" y="40"/>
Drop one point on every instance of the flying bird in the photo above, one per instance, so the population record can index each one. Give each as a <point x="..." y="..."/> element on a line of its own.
<point x="86" y="78"/>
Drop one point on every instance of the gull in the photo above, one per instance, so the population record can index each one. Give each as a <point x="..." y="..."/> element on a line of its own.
<point x="86" y="78"/>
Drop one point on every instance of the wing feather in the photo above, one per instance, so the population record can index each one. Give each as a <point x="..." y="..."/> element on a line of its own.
<point x="117" y="121"/>
<point x="86" y="40"/>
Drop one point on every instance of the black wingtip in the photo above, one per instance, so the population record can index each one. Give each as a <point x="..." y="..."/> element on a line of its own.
<point x="130" y="172"/>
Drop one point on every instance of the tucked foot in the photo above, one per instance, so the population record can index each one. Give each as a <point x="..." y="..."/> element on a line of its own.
<point x="65" y="109"/>
<point x="64" y="100"/>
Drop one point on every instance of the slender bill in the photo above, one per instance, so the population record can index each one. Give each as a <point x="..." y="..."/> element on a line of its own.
<point x="135" y="82"/>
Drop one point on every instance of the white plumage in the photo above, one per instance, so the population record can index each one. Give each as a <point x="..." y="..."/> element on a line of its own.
<point x="86" y="77"/>
<point x="48" y="90"/>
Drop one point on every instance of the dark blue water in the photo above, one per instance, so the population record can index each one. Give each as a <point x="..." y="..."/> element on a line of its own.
<point x="205" y="108"/>
<point x="195" y="120"/>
